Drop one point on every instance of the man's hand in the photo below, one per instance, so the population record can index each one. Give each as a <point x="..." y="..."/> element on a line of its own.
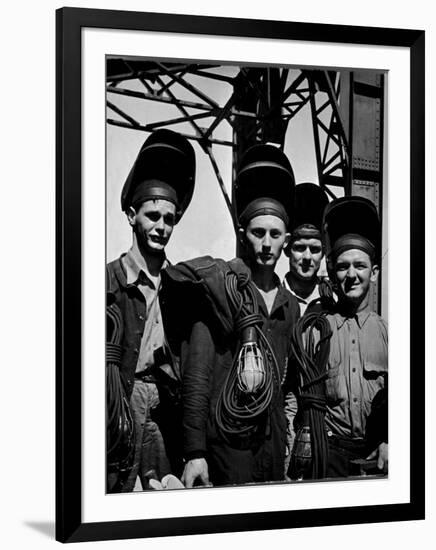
<point x="381" y="453"/>
<point x="196" y="469"/>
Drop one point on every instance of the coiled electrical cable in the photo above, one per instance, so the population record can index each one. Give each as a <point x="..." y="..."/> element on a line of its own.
<point x="119" y="423"/>
<point x="326" y="294"/>
<point x="237" y="413"/>
<point x="311" y="348"/>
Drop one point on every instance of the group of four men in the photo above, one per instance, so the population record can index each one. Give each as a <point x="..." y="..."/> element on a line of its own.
<point x="182" y="332"/>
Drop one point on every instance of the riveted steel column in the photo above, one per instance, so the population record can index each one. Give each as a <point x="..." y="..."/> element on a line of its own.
<point x="366" y="130"/>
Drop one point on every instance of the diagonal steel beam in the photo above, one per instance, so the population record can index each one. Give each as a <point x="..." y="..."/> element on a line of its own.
<point x="170" y="83"/>
<point x="327" y="142"/>
<point x="182" y="109"/>
<point x="261" y="95"/>
<point x="180" y="120"/>
<point x="188" y="86"/>
<point x="139" y="77"/>
<point x="335" y="107"/>
<point x="284" y="78"/>
<point x="215" y="167"/>
<point x="315" y="127"/>
<point x="146" y="85"/>
<point x="331" y="159"/>
<point x="322" y="108"/>
<point x="328" y="191"/>
<point x="145" y="128"/>
<point x="153" y="97"/>
<point x="293" y="86"/>
<point x="333" y="169"/>
<point x="223" y="114"/>
<point x="120" y="112"/>
<point x="205" y="142"/>
<point x="297" y="110"/>
<point x="246" y="114"/>
<point x="333" y="137"/>
<point x="213" y="76"/>
<point x="148" y="73"/>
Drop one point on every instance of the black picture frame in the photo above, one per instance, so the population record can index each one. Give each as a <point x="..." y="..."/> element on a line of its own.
<point x="69" y="524"/>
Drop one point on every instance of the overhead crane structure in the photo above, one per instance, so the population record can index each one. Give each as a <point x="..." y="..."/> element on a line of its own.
<point x="346" y="111"/>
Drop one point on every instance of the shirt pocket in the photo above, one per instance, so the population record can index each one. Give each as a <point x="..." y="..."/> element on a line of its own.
<point x="375" y="379"/>
<point x="336" y="386"/>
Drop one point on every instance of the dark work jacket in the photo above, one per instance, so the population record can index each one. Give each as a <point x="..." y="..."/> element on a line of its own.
<point x="195" y="287"/>
<point x="208" y="346"/>
<point x="133" y="308"/>
<point x="207" y="359"/>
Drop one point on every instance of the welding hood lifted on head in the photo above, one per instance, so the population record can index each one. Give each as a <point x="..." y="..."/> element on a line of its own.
<point x="352" y="218"/>
<point x="264" y="173"/>
<point x="164" y="168"/>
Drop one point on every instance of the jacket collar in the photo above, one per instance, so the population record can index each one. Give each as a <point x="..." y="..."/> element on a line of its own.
<point x="136" y="269"/>
<point x="281" y="300"/>
<point x="128" y="272"/>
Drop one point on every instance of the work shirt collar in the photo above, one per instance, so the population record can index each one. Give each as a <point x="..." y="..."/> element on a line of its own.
<point x="361" y="318"/>
<point x="137" y="271"/>
<point x="312" y="296"/>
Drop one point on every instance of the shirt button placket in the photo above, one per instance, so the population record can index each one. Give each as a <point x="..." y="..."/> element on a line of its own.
<point x="354" y="379"/>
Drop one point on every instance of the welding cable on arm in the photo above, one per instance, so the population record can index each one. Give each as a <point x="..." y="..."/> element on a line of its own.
<point x="119" y="423"/>
<point x="254" y="377"/>
<point x="326" y="294"/>
<point x="311" y="348"/>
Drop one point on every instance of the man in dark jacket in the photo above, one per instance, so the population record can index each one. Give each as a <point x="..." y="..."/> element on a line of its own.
<point x="219" y="447"/>
<point x="156" y="193"/>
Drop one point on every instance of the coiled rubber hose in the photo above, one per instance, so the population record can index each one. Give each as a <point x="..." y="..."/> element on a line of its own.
<point x="311" y="348"/>
<point x="120" y="430"/>
<point x="237" y="413"/>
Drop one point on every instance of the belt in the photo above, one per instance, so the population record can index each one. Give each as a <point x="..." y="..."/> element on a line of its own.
<point x="145" y="376"/>
<point x="357" y="444"/>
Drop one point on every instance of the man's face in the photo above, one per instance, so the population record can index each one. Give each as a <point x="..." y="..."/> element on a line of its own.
<point x="305" y="257"/>
<point x="264" y="238"/>
<point x="354" y="273"/>
<point x="153" y="224"/>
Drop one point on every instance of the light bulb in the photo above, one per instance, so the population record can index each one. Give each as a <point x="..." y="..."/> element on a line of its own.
<point x="251" y="371"/>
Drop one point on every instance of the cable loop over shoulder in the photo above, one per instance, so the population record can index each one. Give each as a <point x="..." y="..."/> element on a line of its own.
<point x="253" y="382"/>
<point x="242" y="280"/>
<point x="248" y="321"/>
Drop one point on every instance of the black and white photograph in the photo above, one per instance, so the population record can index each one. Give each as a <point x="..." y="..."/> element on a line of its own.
<point x="240" y="226"/>
<point x="218" y="238"/>
<point x="247" y="274"/>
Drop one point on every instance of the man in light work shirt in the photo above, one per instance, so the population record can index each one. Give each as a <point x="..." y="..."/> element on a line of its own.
<point x="356" y="387"/>
<point x="156" y="193"/>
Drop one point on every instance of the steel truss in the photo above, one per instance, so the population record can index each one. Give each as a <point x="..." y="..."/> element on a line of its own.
<point x="260" y="105"/>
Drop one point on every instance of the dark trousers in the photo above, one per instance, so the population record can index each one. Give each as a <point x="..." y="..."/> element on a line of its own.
<point x="254" y="460"/>
<point x="341" y="452"/>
